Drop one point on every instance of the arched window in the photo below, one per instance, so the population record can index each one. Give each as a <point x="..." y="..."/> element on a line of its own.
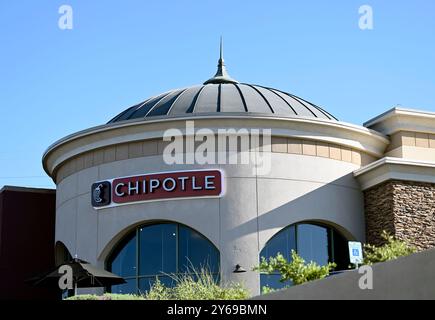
<point x="313" y="242"/>
<point x="160" y="250"/>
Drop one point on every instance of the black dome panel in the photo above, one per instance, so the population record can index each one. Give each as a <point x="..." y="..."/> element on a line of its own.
<point x="223" y="98"/>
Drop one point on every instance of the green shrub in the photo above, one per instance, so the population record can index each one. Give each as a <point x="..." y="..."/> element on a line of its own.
<point x="392" y="249"/>
<point x="296" y="271"/>
<point x="157" y="292"/>
<point x="198" y="285"/>
<point x="267" y="289"/>
<point x="84" y="297"/>
<point x="107" y="296"/>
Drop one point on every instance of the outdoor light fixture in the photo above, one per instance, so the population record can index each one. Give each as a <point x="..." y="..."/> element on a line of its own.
<point x="239" y="269"/>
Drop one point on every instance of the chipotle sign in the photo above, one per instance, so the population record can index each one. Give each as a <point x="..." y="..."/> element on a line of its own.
<point x="157" y="186"/>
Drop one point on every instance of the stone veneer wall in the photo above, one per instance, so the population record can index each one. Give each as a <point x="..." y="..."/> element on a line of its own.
<point x="405" y="209"/>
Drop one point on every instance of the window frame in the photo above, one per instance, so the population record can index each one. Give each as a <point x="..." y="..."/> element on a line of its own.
<point x="331" y="233"/>
<point x="135" y="232"/>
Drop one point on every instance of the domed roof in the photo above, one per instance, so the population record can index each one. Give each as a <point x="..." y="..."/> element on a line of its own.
<point x="223" y="98"/>
<point x="222" y="94"/>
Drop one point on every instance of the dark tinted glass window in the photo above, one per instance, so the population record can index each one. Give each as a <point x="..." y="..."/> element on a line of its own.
<point x="312" y="242"/>
<point x="283" y="242"/>
<point x="157" y="245"/>
<point x="124" y="263"/>
<point x="159" y="251"/>
<point x="128" y="287"/>
<point x="195" y="250"/>
<point x="340" y="250"/>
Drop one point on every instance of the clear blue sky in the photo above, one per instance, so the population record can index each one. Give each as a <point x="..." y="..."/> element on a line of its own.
<point x="55" y="82"/>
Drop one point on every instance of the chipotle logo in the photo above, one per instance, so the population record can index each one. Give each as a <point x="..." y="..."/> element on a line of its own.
<point x="158" y="186"/>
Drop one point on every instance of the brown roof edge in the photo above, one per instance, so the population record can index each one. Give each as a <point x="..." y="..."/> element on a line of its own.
<point x="26" y="189"/>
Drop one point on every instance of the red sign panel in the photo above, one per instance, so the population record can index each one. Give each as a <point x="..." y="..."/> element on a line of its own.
<point x="184" y="184"/>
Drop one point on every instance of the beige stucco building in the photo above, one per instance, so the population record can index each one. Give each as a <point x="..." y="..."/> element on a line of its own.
<point x="329" y="182"/>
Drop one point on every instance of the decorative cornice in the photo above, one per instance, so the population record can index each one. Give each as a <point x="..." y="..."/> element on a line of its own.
<point x="356" y="137"/>
<point x="389" y="168"/>
<point x="402" y="119"/>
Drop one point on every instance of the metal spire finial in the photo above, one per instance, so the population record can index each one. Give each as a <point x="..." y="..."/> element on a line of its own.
<point x="221" y="56"/>
<point x="221" y="75"/>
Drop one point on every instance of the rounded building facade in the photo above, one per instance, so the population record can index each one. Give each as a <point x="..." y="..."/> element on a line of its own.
<point x="123" y="206"/>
